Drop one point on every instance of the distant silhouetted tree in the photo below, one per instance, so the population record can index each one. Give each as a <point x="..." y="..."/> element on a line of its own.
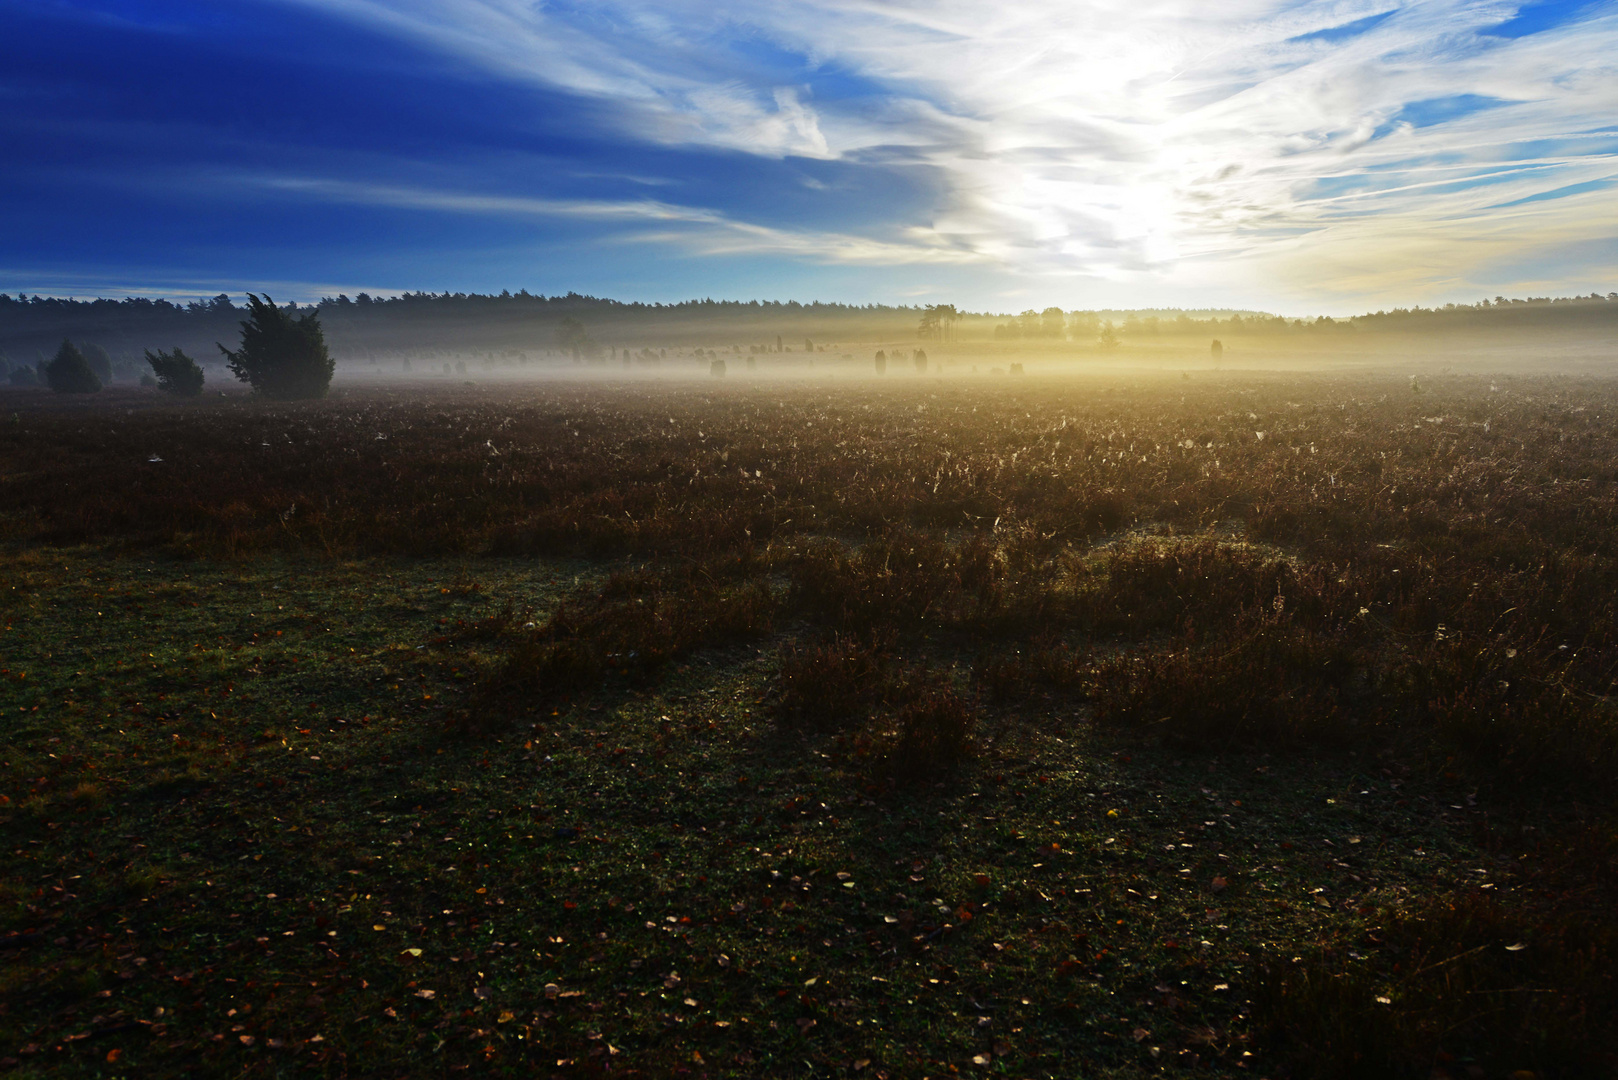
<point x="99" y="361"/>
<point x="176" y="372"/>
<point x="571" y="337"/>
<point x="936" y="320"/>
<point x="1108" y="337"/>
<point x="68" y="372"/>
<point x="282" y="355"/>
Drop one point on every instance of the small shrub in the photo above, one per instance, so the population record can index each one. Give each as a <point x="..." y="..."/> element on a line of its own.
<point x="176" y="372"/>
<point x="24" y="375"/>
<point x="933" y="728"/>
<point x="89" y="794"/>
<point x="68" y="372"/>
<point x="829" y="684"/>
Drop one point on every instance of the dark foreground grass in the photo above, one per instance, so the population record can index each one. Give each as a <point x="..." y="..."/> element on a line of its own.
<point x="277" y="853"/>
<point x="1079" y="731"/>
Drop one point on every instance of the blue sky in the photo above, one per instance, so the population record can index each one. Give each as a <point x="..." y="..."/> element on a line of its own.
<point x="1304" y="157"/>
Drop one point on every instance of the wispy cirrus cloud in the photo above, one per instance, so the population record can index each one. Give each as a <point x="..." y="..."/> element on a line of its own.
<point x="1295" y="154"/>
<point x="1141" y="142"/>
<point x="700" y="231"/>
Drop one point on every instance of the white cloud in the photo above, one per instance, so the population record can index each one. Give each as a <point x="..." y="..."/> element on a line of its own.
<point x="696" y="230"/>
<point x="1194" y="145"/>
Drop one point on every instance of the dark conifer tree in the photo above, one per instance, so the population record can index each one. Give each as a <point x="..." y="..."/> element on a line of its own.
<point x="68" y="372"/>
<point x="282" y="355"/>
<point x="176" y="372"/>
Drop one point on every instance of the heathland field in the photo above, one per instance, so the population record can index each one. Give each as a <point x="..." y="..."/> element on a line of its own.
<point x="1231" y="724"/>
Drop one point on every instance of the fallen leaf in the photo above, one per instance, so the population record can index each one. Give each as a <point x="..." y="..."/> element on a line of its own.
<point x="426" y="995"/>
<point x="112" y="1055"/>
<point x="1219" y="885"/>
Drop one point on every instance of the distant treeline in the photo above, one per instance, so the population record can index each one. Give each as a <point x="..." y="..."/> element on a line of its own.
<point x="435" y="324"/>
<point x="1543" y="313"/>
<point x="438" y="323"/>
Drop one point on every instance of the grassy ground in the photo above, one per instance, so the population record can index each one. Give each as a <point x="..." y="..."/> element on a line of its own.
<point x="276" y="804"/>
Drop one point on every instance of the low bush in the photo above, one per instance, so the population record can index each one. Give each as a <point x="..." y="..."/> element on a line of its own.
<point x="933" y="728"/>
<point x="830" y="684"/>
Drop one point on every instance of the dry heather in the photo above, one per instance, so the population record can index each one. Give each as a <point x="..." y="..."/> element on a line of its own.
<point x="1335" y="567"/>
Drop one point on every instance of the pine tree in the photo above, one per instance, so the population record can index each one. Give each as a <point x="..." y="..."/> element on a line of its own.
<point x="281" y="356"/>
<point x="68" y="372"/>
<point x="176" y="372"/>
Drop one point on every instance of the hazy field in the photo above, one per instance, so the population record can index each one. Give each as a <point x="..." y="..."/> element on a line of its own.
<point x="1519" y="353"/>
<point x="1252" y="717"/>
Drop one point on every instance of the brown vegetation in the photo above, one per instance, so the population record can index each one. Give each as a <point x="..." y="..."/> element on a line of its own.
<point x="1300" y="562"/>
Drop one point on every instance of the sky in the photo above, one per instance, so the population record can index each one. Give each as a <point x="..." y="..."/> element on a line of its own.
<point x="1307" y="158"/>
